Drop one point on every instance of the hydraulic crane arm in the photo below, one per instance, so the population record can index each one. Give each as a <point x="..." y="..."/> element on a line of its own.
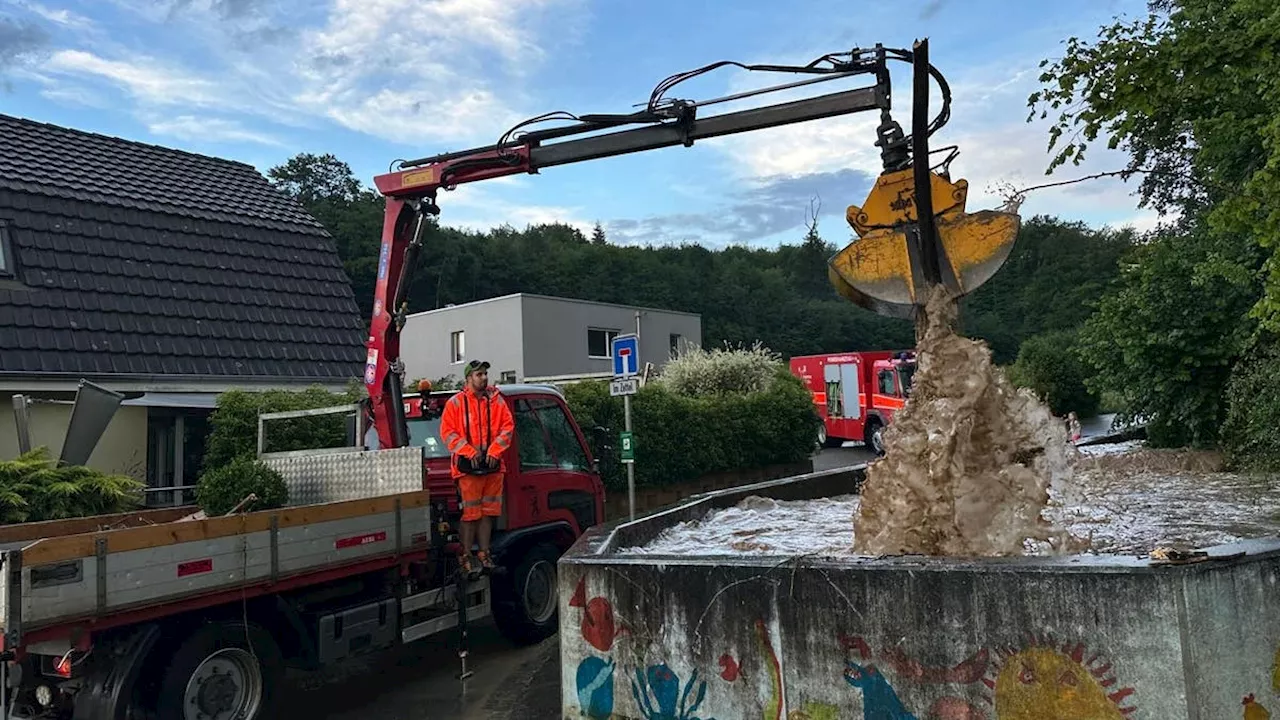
<point x="412" y="186"/>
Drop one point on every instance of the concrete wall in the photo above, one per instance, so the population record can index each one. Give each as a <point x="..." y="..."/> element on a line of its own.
<point x="122" y="449"/>
<point x="913" y="638"/>
<point x="555" y="332"/>
<point x="491" y="330"/>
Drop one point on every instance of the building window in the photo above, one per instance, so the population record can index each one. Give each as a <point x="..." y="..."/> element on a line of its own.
<point x="457" y="346"/>
<point x="675" y="345"/>
<point x="508" y="377"/>
<point x="7" y="265"/>
<point x="176" y="440"/>
<point x="600" y="342"/>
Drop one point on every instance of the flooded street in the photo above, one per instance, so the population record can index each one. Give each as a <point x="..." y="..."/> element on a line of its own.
<point x="1129" y="509"/>
<point x="1126" y="500"/>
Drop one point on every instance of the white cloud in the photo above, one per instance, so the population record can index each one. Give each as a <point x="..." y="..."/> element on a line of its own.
<point x="205" y="129"/>
<point x="413" y="71"/>
<point x="74" y="95"/>
<point x="62" y="17"/>
<point x="147" y="79"/>
<point x="473" y="207"/>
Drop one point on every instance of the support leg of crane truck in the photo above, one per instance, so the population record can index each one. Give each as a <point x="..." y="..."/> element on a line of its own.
<point x="182" y="618"/>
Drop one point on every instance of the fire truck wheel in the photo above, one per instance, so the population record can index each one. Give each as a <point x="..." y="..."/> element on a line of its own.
<point x="526" y="605"/>
<point x="225" y="669"/>
<point x="875" y="438"/>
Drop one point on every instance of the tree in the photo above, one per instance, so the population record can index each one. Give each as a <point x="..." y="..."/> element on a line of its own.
<point x="309" y="178"/>
<point x="1049" y="365"/>
<point x="1192" y="94"/>
<point x="1051" y="281"/>
<point x="597" y="235"/>
<point x="1166" y="338"/>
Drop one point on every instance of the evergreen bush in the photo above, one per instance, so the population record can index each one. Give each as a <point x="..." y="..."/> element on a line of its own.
<point x="221" y="488"/>
<point x="34" y="488"/>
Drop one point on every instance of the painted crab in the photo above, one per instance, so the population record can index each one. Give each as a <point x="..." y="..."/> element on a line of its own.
<point x="664" y="685"/>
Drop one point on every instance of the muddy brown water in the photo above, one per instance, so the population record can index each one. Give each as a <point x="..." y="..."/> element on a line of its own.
<point x="1127" y="501"/>
<point x="971" y="459"/>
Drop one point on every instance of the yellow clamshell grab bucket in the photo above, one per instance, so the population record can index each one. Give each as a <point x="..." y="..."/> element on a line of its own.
<point x="913" y="231"/>
<point x="882" y="270"/>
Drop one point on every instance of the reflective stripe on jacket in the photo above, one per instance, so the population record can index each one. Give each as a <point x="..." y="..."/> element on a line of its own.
<point x="476" y="422"/>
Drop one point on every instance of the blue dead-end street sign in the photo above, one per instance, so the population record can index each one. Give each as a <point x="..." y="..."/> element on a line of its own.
<point x="626" y="355"/>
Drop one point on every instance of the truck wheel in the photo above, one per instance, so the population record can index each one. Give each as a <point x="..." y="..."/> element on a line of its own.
<point x="526" y="606"/>
<point x="223" y="670"/>
<point x="875" y="438"/>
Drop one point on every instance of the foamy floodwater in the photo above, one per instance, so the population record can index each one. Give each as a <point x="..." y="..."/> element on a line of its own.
<point x="1121" y="513"/>
<point x="763" y="526"/>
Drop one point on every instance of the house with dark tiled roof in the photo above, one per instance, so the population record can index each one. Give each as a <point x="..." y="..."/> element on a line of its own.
<point x="163" y="275"/>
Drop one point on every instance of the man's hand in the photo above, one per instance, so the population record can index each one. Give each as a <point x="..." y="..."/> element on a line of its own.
<point x="491" y="461"/>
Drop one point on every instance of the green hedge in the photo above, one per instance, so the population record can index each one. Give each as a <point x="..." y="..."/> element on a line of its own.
<point x="680" y="438"/>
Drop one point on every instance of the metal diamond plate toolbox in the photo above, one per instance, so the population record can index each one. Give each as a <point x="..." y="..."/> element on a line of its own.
<point x="333" y="477"/>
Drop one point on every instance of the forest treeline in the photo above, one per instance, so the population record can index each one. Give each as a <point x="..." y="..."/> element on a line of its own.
<point x="779" y="296"/>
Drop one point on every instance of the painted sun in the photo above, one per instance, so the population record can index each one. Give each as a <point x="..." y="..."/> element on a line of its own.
<point x="1048" y="681"/>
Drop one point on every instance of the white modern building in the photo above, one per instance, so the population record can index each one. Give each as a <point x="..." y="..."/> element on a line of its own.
<point x="536" y="338"/>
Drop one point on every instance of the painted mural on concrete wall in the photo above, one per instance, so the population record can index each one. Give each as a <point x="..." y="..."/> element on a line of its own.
<point x="1040" y="678"/>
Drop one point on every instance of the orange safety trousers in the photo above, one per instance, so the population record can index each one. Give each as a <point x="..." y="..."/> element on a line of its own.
<point x="481" y="496"/>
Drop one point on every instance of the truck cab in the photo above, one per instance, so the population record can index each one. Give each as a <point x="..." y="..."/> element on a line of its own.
<point x="551" y="476"/>
<point x="552" y="494"/>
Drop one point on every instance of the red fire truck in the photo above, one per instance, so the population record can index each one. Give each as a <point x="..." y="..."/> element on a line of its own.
<point x="856" y="393"/>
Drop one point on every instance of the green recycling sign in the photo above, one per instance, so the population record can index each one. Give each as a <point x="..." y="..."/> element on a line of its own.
<point x="628" y="447"/>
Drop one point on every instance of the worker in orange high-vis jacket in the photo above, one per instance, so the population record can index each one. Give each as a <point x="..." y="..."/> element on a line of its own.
<point x="476" y="427"/>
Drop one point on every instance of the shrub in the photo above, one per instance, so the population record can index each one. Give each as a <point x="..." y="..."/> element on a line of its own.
<point x="222" y="488"/>
<point x="234" y="424"/>
<point x="1251" y="431"/>
<point x="1049" y="365"/>
<point x="697" y="372"/>
<point x="680" y="438"/>
<point x="34" y="488"/>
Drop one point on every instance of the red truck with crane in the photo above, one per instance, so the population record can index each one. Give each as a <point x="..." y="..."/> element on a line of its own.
<point x="169" y="614"/>
<point x="856" y="393"/>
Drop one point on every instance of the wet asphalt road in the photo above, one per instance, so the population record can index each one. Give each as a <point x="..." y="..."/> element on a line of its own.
<point x="419" y="681"/>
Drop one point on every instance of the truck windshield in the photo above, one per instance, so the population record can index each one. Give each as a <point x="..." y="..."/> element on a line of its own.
<point x="426" y="434"/>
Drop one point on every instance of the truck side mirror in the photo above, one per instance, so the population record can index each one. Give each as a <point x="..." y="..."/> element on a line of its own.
<point x="600" y="438"/>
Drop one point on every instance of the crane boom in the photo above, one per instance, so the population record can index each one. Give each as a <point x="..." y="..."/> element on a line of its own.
<point x="411" y="190"/>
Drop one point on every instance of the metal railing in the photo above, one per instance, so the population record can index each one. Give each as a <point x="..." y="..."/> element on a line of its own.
<point x="357" y="443"/>
<point x="154" y="497"/>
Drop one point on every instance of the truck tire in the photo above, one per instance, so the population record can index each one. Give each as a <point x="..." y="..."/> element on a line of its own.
<point x="875" y="437"/>
<point x="526" y="605"/>
<point x="223" y="669"/>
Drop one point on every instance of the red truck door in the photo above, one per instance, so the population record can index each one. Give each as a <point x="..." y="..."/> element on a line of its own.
<point x="552" y="476"/>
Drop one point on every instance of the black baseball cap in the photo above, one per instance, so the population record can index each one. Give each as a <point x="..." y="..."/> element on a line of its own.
<point x="475" y="365"/>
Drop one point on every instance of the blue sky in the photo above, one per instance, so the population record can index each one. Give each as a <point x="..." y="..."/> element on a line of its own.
<point x="375" y="80"/>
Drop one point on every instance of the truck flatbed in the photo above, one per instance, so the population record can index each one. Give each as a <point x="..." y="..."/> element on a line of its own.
<point x="75" y="573"/>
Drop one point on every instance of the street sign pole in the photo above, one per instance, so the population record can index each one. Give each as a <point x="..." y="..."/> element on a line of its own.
<point x="631" y="466"/>
<point x="626" y="365"/>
